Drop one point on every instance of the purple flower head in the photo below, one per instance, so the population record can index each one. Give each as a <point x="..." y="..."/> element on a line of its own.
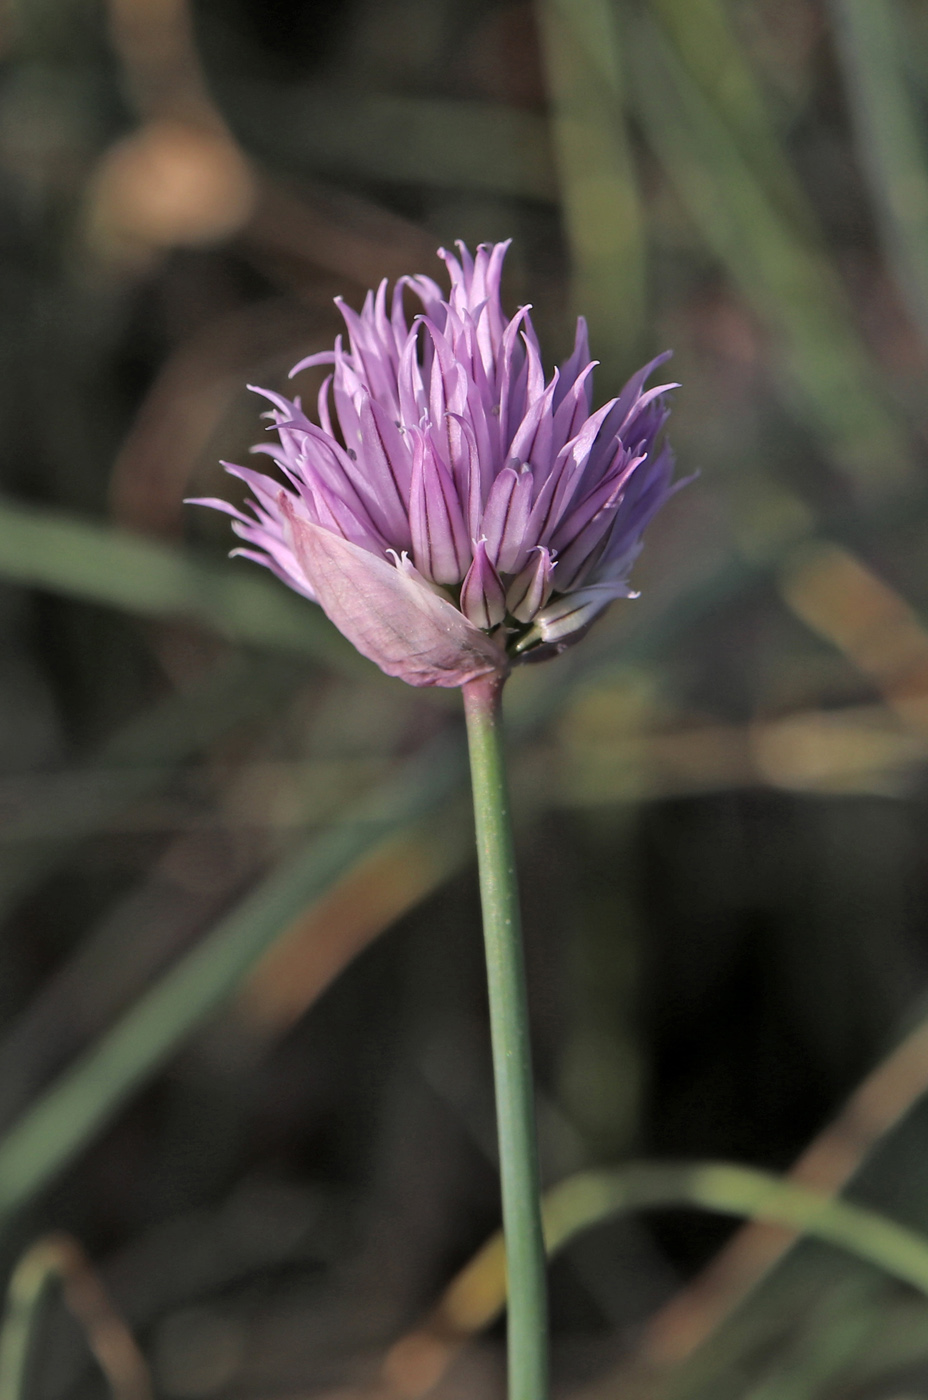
<point x="452" y="511"/>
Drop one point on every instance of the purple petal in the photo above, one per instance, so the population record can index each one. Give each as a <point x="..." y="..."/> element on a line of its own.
<point x="447" y="380"/>
<point x="412" y="401"/>
<point x="606" y="492"/>
<point x="531" y="589"/>
<point x="397" y="314"/>
<point x="481" y="414"/>
<point x="459" y="273"/>
<point x="215" y="503"/>
<point x="576" y="368"/>
<point x="586" y="534"/>
<point x="393" y="619"/>
<point x="535" y="434"/>
<point x="535" y="379"/>
<point x="510" y="379"/>
<point x="323" y="357"/>
<point x="346" y="387"/>
<point x="318" y="472"/>
<point x="649" y="488"/>
<point x="639" y="430"/>
<point x="488" y="272"/>
<point x="483" y="598"/>
<point x="375" y="367"/>
<point x="381" y="320"/>
<point x="322" y="404"/>
<point x="440" y="542"/>
<point x="573" y="407"/>
<point x="282" y="563"/>
<point x="505" y="520"/>
<point x="468" y="475"/>
<point x="556" y="494"/>
<point x="632" y="390"/>
<point x="386" y="470"/>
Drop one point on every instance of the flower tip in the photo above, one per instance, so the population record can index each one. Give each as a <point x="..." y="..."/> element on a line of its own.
<point x="320" y="357"/>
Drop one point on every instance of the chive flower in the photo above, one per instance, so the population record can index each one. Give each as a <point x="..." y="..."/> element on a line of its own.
<point x="452" y="511"/>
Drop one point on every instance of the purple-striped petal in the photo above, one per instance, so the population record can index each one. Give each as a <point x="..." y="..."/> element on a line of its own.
<point x="468" y="475"/>
<point x="505" y="519"/>
<point x="577" y="367"/>
<point x="602" y="494"/>
<point x="566" y="477"/>
<point x="385" y="464"/>
<point x="483" y="599"/>
<point x="440" y="542"/>
<point x="531" y="589"/>
<point x="573" y="407"/>
<point x="535" y="434"/>
<point x="509" y="389"/>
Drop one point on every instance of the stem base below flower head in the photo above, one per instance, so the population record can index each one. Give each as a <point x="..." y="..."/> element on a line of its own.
<point x="515" y="1112"/>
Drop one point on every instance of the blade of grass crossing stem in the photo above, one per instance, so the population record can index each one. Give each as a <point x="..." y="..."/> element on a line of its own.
<point x="827" y="376"/>
<point x="478" y="1293"/>
<point x="602" y="209"/>
<point x="44" y="549"/>
<point x="890" y="137"/>
<point x="58" y="1124"/>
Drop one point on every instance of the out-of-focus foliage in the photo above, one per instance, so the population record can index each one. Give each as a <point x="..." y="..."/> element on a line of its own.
<point x="247" y="1136"/>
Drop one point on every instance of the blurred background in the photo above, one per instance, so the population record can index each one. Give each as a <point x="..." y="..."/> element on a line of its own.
<point x="245" y="1088"/>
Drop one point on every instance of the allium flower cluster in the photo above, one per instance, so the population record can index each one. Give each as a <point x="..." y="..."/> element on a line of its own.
<point x="453" y="511"/>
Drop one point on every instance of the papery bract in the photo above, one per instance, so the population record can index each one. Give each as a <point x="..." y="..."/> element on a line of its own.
<point x="452" y="511"/>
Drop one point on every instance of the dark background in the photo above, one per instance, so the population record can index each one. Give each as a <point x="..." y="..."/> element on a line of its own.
<point x="721" y="796"/>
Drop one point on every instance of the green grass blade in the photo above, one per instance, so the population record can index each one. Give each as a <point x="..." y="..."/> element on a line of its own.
<point x="602" y="210"/>
<point x="890" y="138"/>
<point x="591" y="1197"/>
<point x="826" y="375"/>
<point x="49" y="1134"/>
<point x="44" y="549"/>
<point x="52" y="1131"/>
<point x="843" y="1347"/>
<point x="29" y="1285"/>
<point x="703" y="34"/>
<point x="76" y="1106"/>
<point x="59" y="1259"/>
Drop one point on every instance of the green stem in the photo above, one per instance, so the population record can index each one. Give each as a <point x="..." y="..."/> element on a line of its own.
<point x="512" y="1061"/>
